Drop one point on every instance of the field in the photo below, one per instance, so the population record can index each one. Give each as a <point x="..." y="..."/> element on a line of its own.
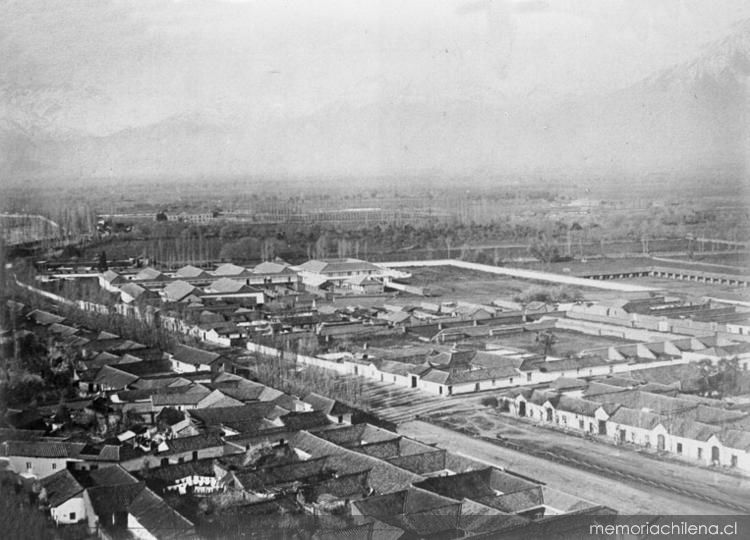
<point x="565" y="342"/>
<point x="454" y="284"/>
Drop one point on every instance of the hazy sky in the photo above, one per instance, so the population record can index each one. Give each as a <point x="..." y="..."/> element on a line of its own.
<point x="83" y="68"/>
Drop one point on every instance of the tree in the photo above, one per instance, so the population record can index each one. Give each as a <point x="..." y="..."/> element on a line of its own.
<point x="546" y="339"/>
<point x="544" y="249"/>
<point x="102" y="264"/>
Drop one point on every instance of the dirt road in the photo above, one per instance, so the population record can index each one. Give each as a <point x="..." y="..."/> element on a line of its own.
<point x="625" y="497"/>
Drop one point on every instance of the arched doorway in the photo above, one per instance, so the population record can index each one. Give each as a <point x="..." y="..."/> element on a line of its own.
<point x="660" y="443"/>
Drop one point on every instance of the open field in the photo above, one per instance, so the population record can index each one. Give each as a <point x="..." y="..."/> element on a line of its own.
<point x="566" y="342"/>
<point x="451" y="283"/>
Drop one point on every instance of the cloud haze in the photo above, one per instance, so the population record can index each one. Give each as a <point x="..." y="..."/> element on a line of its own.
<point x="129" y="88"/>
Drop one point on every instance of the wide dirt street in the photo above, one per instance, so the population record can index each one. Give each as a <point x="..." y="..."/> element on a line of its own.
<point x="625" y="497"/>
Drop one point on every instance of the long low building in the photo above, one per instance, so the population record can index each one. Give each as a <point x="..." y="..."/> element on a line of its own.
<point x="648" y="416"/>
<point x="443" y="375"/>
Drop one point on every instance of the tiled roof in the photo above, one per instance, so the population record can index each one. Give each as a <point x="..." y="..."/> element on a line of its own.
<point x="635" y="418"/>
<point x="739" y="440"/>
<point x="178" y="290"/>
<point x="62" y="329"/>
<point x="270" y="267"/>
<point x="296" y="421"/>
<point x="180" y="395"/>
<point x="134" y="290"/>
<point x="227" y="285"/>
<point x="173" y="473"/>
<point x="60" y="487"/>
<point x="320" y="403"/>
<point x="111" y="276"/>
<point x="214" y="416"/>
<point x="193" y="355"/>
<point x="113" y="498"/>
<point x="229" y="270"/>
<point x="577" y="405"/>
<point x="328" y="266"/>
<point x="158" y="518"/>
<point x="190" y="271"/>
<point x="461" y="376"/>
<point x="44" y="318"/>
<point x="196" y="442"/>
<point x="114" y="378"/>
<point x="42" y="449"/>
<point x="109" y="476"/>
<point x="149" y="274"/>
<point x="384" y="477"/>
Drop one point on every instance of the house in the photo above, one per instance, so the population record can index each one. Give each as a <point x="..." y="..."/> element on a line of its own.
<point x="228" y="288"/>
<point x="134" y="507"/>
<point x="39" y="459"/>
<point x="109" y="379"/>
<point x="63" y="496"/>
<point x="363" y="285"/>
<point x="230" y="270"/>
<point x="337" y="412"/>
<point x="132" y="292"/>
<point x="150" y="274"/>
<point x="338" y="271"/>
<point x="180" y="291"/>
<point x="198" y="476"/>
<point x="191" y="272"/>
<point x="186" y="359"/>
<point x="272" y="267"/>
<point x="44" y="318"/>
<point x="111" y="281"/>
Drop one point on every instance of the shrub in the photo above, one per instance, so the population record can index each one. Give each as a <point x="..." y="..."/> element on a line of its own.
<point x="489" y="401"/>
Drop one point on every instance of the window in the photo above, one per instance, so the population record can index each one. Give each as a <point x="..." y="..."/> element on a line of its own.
<point x="72" y="516"/>
<point x="734" y="461"/>
<point x="341" y="419"/>
<point x="28" y="465"/>
<point x="510" y="381"/>
<point x="679" y="448"/>
<point x="528" y="377"/>
<point x="580" y="424"/>
<point x="700" y="453"/>
<point x="440" y="390"/>
<point x="54" y="466"/>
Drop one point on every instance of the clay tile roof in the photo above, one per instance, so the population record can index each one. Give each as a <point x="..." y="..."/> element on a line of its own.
<point x="42" y="449"/>
<point x="61" y="487"/>
<point x="178" y="290"/>
<point x="190" y="271"/>
<point x="196" y="442"/>
<point x="149" y="274"/>
<point x="229" y="270"/>
<point x="193" y="355"/>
